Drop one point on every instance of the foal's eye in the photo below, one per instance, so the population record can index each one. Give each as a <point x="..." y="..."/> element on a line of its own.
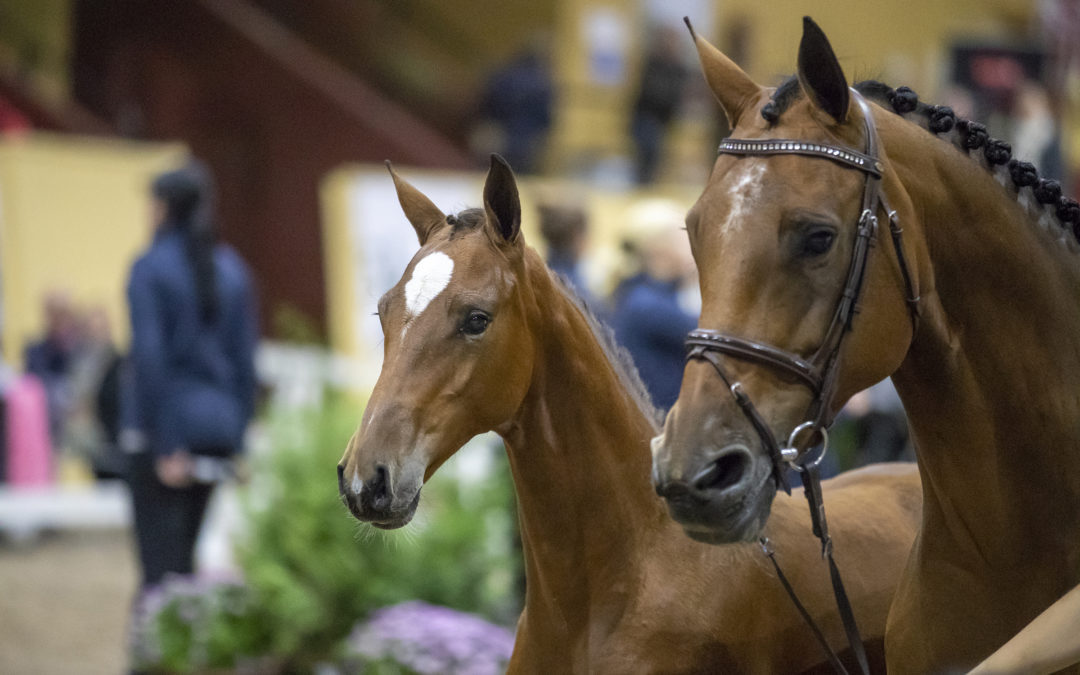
<point x="818" y="242"/>
<point x="476" y="323"/>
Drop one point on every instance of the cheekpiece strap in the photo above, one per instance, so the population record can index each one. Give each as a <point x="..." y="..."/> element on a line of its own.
<point x="783" y="146"/>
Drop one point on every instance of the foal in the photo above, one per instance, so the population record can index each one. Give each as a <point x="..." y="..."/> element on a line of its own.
<point x="480" y="336"/>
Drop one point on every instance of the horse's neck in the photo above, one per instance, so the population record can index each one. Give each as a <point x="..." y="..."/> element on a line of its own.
<point x="992" y="382"/>
<point x="579" y="455"/>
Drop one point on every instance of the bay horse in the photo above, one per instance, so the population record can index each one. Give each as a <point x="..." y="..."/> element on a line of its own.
<point x="969" y="300"/>
<point x="480" y="336"/>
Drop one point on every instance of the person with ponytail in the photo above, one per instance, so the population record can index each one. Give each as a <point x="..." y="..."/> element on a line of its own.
<point x="193" y="335"/>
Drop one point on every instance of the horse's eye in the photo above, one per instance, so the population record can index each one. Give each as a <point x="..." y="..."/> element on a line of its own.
<point x="476" y="323"/>
<point x="818" y="242"/>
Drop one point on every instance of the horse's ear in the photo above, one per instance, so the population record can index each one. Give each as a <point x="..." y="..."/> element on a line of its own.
<point x="732" y="87"/>
<point x="820" y="74"/>
<point x="501" y="202"/>
<point x="423" y="215"/>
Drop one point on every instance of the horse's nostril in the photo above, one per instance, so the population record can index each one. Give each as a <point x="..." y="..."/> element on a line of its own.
<point x="379" y="487"/>
<point x="675" y="490"/>
<point x="727" y="470"/>
<point x="341" y="480"/>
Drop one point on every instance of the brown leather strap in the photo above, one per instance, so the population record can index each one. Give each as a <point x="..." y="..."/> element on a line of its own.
<point x="702" y="352"/>
<point x="758" y="352"/>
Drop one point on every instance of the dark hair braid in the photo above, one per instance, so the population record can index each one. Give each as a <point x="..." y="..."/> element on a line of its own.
<point x="997" y="152"/>
<point x="972" y="134"/>
<point x="1048" y="191"/>
<point x="1023" y="173"/>
<point x="903" y="100"/>
<point x="942" y="118"/>
<point x="1068" y="211"/>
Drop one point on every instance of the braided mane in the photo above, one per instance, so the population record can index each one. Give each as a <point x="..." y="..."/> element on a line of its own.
<point x="966" y="135"/>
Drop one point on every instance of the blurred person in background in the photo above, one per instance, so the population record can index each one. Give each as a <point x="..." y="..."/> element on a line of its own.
<point x="49" y="359"/>
<point x="880" y="429"/>
<point x="565" y="230"/>
<point x="656" y="304"/>
<point x="1037" y="138"/>
<point x="515" y="109"/>
<point x="90" y="430"/>
<point x="193" y="323"/>
<point x="659" y="97"/>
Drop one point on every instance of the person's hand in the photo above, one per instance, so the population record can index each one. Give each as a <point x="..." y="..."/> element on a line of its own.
<point x="174" y="470"/>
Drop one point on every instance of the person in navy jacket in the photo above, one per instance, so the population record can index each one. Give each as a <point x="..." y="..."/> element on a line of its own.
<point x="650" y="318"/>
<point x="193" y="335"/>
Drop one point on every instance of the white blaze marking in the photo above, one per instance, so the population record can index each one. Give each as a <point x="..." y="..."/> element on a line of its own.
<point x="430" y="277"/>
<point x="357" y="484"/>
<point x="742" y="192"/>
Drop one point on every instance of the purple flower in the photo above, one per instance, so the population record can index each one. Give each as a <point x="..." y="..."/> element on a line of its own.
<point x="430" y="640"/>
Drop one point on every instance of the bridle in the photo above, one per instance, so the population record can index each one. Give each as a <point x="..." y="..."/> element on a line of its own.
<point x="818" y="372"/>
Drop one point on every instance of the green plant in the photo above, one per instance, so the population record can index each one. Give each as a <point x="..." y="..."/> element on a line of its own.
<point x="314" y="571"/>
<point x="190" y="624"/>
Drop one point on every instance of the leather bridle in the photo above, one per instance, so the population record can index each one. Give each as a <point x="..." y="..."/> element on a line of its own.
<point x="819" y="371"/>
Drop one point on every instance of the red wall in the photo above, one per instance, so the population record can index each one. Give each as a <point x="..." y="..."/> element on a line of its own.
<point x="270" y="116"/>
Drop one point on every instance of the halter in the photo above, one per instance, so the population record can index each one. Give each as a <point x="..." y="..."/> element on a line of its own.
<point x="818" y="372"/>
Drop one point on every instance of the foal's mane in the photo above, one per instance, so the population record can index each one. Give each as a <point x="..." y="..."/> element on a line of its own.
<point x="616" y="354"/>
<point x="1043" y="200"/>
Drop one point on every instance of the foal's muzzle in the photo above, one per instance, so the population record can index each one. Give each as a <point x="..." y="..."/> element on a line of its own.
<point x="372" y="500"/>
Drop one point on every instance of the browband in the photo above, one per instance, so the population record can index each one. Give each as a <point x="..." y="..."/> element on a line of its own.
<point x="786" y="146"/>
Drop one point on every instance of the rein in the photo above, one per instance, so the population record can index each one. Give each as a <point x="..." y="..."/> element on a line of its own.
<point x="818" y="372"/>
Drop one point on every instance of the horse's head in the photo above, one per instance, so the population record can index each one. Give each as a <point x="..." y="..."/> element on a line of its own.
<point x="773" y="236"/>
<point x="456" y="362"/>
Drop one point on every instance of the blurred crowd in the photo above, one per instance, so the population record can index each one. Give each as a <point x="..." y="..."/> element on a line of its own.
<point x="517" y="105"/>
<point x="1019" y="93"/>
<point x="68" y="397"/>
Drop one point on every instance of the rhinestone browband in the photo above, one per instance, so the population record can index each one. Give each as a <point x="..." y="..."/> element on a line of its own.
<point x="852" y="158"/>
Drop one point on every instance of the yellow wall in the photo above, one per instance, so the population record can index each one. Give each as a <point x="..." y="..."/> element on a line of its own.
<point x="73" y="214"/>
<point x="903" y="43"/>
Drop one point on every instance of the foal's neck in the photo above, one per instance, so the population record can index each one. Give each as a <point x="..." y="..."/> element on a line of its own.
<point x="992" y="382"/>
<point x="578" y="453"/>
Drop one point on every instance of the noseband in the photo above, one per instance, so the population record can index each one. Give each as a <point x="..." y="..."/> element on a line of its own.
<point x="818" y="372"/>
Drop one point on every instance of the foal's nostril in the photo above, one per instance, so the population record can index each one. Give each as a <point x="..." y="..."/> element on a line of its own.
<point x="341" y="480"/>
<point x="727" y="470"/>
<point x="380" y="488"/>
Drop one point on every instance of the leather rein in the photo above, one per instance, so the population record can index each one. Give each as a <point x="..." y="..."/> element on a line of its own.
<point x="817" y="372"/>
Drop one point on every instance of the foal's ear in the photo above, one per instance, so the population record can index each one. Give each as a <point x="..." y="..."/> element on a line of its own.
<point x="820" y="74"/>
<point x="501" y="203"/>
<point x="424" y="216"/>
<point x="732" y="87"/>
